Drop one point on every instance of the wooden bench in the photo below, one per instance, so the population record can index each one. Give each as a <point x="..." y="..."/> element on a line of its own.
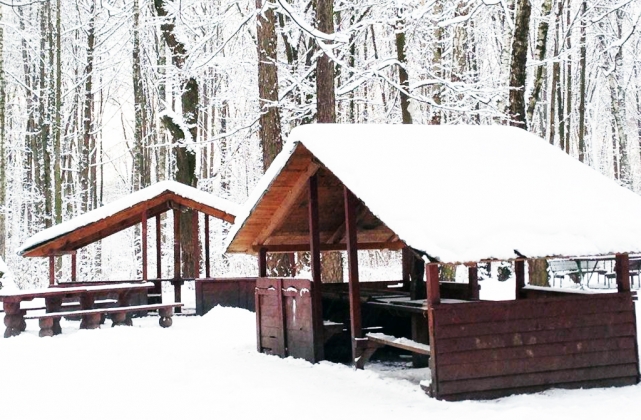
<point x="575" y="269"/>
<point x="401" y="343"/>
<point x="374" y="341"/>
<point x="14" y="314"/>
<point x="91" y="317"/>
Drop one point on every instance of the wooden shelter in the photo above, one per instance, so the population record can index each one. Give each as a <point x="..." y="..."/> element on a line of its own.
<point x="351" y="187"/>
<point x="136" y="208"/>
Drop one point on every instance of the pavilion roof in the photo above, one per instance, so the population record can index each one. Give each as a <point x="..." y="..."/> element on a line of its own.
<point x="456" y="193"/>
<point x="123" y="213"/>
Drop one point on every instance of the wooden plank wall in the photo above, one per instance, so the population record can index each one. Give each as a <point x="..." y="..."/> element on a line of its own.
<point x="284" y="317"/>
<point x="492" y="349"/>
<point x="234" y="292"/>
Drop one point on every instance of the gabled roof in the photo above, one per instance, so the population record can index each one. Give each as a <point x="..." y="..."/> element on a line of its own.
<point x="122" y="214"/>
<point x="456" y="193"/>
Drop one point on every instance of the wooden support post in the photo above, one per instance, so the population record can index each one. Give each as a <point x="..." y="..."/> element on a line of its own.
<point x="622" y="269"/>
<point x="74" y="267"/>
<point x="176" y="244"/>
<point x="519" y="274"/>
<point x="433" y="286"/>
<point x="195" y="238"/>
<point x="352" y="268"/>
<point x="158" y="248"/>
<point x="177" y="274"/>
<point x="314" y="247"/>
<point x="144" y="245"/>
<point x="473" y="281"/>
<point x="52" y="270"/>
<point x="262" y="262"/>
<point x="406" y="263"/>
<point x="207" y="260"/>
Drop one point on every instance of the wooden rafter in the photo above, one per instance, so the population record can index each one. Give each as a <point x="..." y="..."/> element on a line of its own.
<point x="283" y="210"/>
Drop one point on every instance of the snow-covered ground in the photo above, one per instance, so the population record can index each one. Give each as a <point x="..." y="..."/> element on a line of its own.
<point x="208" y="368"/>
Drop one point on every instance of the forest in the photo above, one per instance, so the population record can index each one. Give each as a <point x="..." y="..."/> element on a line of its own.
<point x="99" y="98"/>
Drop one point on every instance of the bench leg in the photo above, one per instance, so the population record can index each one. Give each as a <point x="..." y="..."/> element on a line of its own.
<point x="364" y="357"/>
<point x="165" y="320"/>
<point x="90" y="322"/>
<point x="13" y="319"/>
<point x="54" y="304"/>
<point x="119" y="318"/>
<point x="46" y="327"/>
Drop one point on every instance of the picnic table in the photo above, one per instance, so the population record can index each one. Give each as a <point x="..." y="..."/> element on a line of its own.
<point x="578" y="269"/>
<point x="581" y="270"/>
<point x="15" y="313"/>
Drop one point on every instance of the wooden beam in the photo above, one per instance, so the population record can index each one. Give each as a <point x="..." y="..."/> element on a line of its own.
<point x="328" y="247"/>
<point x="74" y="267"/>
<point x="158" y="247"/>
<point x="283" y="208"/>
<point x="195" y="242"/>
<point x="519" y="274"/>
<point x="622" y="269"/>
<point x="207" y="260"/>
<point x="262" y="262"/>
<point x="352" y="269"/>
<point x="432" y="283"/>
<point x="203" y="208"/>
<point x="52" y="270"/>
<point x="176" y="243"/>
<point x="315" y="263"/>
<point x="144" y="245"/>
<point x="339" y="234"/>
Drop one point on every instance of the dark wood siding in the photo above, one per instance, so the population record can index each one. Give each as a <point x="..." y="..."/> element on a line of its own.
<point x="284" y="318"/>
<point x="491" y="349"/>
<point x="235" y="292"/>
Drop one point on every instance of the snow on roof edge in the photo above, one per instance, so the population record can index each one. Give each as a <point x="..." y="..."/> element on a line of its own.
<point x="260" y="189"/>
<point x="123" y="203"/>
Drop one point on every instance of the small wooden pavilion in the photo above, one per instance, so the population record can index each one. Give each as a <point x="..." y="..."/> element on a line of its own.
<point x="136" y="208"/>
<point x="447" y="195"/>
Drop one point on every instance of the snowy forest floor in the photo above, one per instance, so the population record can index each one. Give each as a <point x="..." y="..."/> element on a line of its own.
<point x="208" y="367"/>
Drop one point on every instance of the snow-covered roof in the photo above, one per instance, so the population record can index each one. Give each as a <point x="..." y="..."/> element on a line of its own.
<point x="469" y="193"/>
<point x="225" y="209"/>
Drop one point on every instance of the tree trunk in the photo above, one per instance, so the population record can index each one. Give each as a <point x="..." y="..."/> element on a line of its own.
<point x="518" y="63"/>
<point x="88" y="116"/>
<point x="3" y="160"/>
<point x="541" y="43"/>
<point x="332" y="262"/>
<point x="437" y="61"/>
<point x="325" y="95"/>
<point x="139" y="164"/>
<point x="618" y="103"/>
<point x="57" y="169"/>
<point x="403" y="77"/>
<point x="568" y="81"/>
<point x="185" y="157"/>
<point x="270" y="130"/>
<point x="552" y="100"/>
<point x="583" y="67"/>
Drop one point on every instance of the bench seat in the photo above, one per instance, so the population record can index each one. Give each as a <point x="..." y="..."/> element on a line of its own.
<point x="91" y="317"/>
<point x="401" y="343"/>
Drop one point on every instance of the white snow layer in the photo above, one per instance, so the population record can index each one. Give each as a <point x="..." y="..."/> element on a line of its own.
<point x="208" y="368"/>
<point x="468" y="193"/>
<point x="126" y="202"/>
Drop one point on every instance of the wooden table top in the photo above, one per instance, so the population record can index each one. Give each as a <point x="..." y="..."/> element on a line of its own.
<point x="29" y="294"/>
